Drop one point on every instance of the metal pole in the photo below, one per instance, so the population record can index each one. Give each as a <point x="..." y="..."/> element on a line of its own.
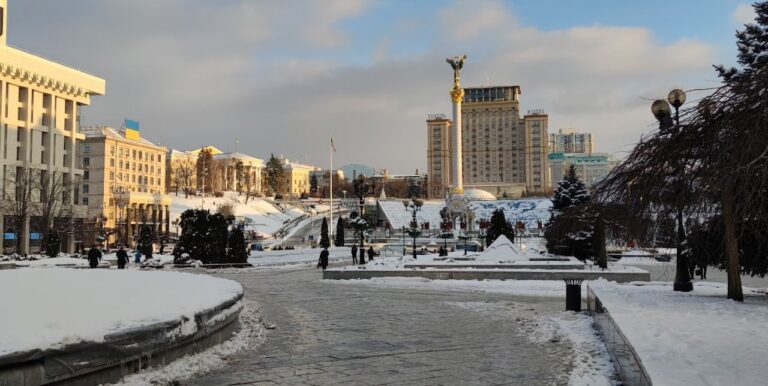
<point x="330" y="190"/>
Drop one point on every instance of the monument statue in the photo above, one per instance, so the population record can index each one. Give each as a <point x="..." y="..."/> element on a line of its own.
<point x="456" y="62"/>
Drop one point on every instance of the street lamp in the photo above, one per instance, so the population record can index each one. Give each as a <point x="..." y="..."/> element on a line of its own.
<point x="661" y="110"/>
<point x="363" y="188"/>
<point x="413" y="207"/>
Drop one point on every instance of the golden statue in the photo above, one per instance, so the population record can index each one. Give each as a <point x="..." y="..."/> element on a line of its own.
<point x="456" y="62"/>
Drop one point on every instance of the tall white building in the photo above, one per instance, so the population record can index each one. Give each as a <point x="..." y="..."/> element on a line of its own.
<point x="570" y="141"/>
<point x="40" y="103"/>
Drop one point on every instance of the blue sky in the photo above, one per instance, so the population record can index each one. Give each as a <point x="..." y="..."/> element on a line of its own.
<point x="283" y="76"/>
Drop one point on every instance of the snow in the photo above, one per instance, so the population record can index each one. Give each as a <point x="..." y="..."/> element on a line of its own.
<point x="250" y="335"/>
<point x="265" y="217"/>
<point x="53" y="262"/>
<point x="530" y="211"/>
<point x="295" y="256"/>
<point x="592" y="364"/>
<point x="87" y="304"/>
<point x="502" y="250"/>
<point x="698" y="337"/>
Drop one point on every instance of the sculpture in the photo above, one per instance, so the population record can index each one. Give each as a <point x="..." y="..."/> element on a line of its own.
<point x="457" y="62"/>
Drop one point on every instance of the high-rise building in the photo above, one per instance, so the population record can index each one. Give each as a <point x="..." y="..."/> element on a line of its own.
<point x="590" y="168"/>
<point x="570" y="141"/>
<point x="40" y="103"/>
<point x="503" y="153"/>
<point x="123" y="184"/>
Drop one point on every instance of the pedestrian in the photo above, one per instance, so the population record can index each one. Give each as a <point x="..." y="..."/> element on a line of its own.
<point x="354" y="254"/>
<point x="323" y="262"/>
<point x="94" y="256"/>
<point x="137" y="257"/>
<point x="370" y="254"/>
<point x="122" y="258"/>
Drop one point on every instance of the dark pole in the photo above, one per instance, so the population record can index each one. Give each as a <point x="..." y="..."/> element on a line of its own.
<point x="682" y="275"/>
<point x="414" y="231"/>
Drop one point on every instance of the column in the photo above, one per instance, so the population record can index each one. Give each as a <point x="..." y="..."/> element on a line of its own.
<point x="167" y="221"/>
<point x="457" y="94"/>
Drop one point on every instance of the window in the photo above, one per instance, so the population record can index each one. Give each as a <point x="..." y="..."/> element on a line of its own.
<point x="86" y="175"/>
<point x="86" y="148"/>
<point x="85" y="188"/>
<point x="85" y="200"/>
<point x="112" y="162"/>
<point x="86" y="162"/>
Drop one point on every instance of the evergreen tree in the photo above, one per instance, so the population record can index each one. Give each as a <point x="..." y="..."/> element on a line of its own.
<point x="52" y="244"/>
<point x="237" y="252"/>
<point x="145" y="242"/>
<point x="499" y="226"/>
<point x="570" y="192"/>
<point x="752" y="43"/>
<point x="275" y="175"/>
<point x="325" y="242"/>
<point x="340" y="232"/>
<point x="205" y="170"/>
<point x="204" y="236"/>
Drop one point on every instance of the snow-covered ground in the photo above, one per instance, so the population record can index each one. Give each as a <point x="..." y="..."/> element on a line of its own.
<point x="693" y="338"/>
<point x="265" y="217"/>
<point x="52" y="308"/>
<point x="295" y="256"/>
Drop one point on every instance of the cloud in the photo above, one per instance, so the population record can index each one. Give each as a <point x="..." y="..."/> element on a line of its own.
<point x="743" y="14"/>
<point x="278" y="75"/>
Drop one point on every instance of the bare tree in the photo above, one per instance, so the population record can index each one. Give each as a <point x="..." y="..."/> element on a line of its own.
<point x="21" y="189"/>
<point x="55" y="203"/>
<point x="184" y="174"/>
<point x="251" y="188"/>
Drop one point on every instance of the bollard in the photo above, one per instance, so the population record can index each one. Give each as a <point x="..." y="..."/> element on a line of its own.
<point x="573" y="294"/>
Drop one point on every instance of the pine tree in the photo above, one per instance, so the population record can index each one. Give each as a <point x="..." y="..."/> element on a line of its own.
<point x="145" y="242"/>
<point x="325" y="242"/>
<point x="570" y="192"/>
<point x="275" y="175"/>
<point x="499" y="226"/>
<point x="204" y="236"/>
<point x="237" y="252"/>
<point x="339" y="232"/>
<point x="205" y="170"/>
<point x="52" y="244"/>
<point x="752" y="43"/>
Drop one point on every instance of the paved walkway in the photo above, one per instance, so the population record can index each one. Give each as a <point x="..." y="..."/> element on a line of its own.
<point x="346" y="334"/>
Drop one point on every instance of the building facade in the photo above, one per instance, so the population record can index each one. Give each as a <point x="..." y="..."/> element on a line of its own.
<point x="590" y="168"/>
<point x="296" y="178"/>
<point x="237" y="172"/>
<point x="570" y="141"/>
<point x="504" y="153"/>
<point x="180" y="171"/>
<point x="123" y="185"/>
<point x="40" y="102"/>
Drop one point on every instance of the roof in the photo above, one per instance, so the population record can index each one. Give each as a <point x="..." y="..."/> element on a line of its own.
<point x="479" y="195"/>
<point x="236" y="155"/>
<point x="112" y="133"/>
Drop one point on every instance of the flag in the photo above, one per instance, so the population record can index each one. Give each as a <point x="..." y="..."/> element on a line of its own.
<point x="333" y="147"/>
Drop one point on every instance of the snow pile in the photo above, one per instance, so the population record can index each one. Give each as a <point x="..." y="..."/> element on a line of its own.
<point x="592" y="365"/>
<point x="694" y="338"/>
<point x="265" y="218"/>
<point x="54" y="262"/>
<point x="502" y="250"/>
<point x="52" y="308"/>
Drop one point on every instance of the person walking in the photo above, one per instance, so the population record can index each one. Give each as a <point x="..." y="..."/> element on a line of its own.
<point x="370" y="254"/>
<point x="323" y="262"/>
<point x="122" y="258"/>
<point x="354" y="254"/>
<point x="94" y="256"/>
<point x="137" y="257"/>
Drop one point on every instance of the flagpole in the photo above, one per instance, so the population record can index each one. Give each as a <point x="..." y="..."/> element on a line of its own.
<point x="330" y="176"/>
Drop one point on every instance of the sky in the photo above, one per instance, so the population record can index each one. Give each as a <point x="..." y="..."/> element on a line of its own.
<point x="285" y="76"/>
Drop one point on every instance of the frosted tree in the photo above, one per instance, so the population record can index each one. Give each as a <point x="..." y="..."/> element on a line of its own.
<point x="570" y="192"/>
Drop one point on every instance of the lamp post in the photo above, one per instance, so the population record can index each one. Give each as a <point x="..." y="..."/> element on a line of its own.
<point x="661" y="110"/>
<point x="413" y="207"/>
<point x="363" y="188"/>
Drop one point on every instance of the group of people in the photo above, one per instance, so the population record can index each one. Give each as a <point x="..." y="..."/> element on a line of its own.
<point x="94" y="257"/>
<point x="324" y="254"/>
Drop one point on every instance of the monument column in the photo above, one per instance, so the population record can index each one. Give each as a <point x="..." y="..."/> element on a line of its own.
<point x="457" y="95"/>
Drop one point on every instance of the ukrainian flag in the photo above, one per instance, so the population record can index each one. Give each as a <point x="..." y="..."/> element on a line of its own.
<point x="131" y="129"/>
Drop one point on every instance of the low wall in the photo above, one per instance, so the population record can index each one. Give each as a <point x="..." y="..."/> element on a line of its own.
<point x="122" y="353"/>
<point x="495" y="266"/>
<point x="477" y="274"/>
<point x="626" y="361"/>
